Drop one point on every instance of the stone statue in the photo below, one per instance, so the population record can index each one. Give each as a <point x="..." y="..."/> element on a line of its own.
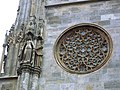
<point x="40" y="28"/>
<point x="26" y="52"/>
<point x="39" y="44"/>
<point x="38" y="53"/>
<point x="31" y="25"/>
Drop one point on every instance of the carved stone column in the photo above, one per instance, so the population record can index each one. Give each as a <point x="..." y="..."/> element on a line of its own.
<point x="30" y="40"/>
<point x="35" y="78"/>
<point x="30" y="57"/>
<point x="28" y="77"/>
<point x="24" y="76"/>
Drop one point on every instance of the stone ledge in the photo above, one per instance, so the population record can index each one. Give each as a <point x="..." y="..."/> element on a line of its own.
<point x="72" y="3"/>
<point x="9" y="77"/>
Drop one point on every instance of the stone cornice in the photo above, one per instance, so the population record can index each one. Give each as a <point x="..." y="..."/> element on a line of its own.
<point x="72" y="3"/>
<point x="8" y="77"/>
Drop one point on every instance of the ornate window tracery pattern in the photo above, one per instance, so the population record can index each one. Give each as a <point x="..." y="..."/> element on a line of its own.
<point x="83" y="48"/>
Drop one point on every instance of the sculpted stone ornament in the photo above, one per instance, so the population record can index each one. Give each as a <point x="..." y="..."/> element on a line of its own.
<point x="40" y="28"/>
<point x="38" y="53"/>
<point x="27" y="53"/>
<point x="27" y="50"/>
<point x="11" y="32"/>
<point x="31" y="25"/>
<point x="83" y="48"/>
<point x="11" y="39"/>
<point x="20" y="34"/>
<point x="19" y="37"/>
<point x="30" y="55"/>
<point x="39" y="44"/>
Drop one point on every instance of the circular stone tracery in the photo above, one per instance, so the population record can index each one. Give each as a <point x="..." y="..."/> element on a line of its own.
<point x="83" y="48"/>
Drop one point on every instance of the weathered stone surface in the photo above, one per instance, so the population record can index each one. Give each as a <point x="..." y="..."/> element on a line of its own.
<point x="56" y="74"/>
<point x="54" y="20"/>
<point x="112" y="84"/>
<point x="68" y="86"/>
<point x="105" y="13"/>
<point x="51" y="87"/>
<point x="104" y="23"/>
<point x="7" y="87"/>
<point x="8" y="83"/>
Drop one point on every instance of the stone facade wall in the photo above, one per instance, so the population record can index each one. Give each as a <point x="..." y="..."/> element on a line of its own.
<point x="8" y="83"/>
<point x="104" y="13"/>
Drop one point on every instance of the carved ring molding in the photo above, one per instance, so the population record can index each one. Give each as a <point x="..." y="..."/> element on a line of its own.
<point x="83" y="48"/>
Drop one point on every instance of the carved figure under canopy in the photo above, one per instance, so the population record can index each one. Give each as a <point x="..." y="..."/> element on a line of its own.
<point x="38" y="53"/>
<point x="31" y="25"/>
<point x="27" y="54"/>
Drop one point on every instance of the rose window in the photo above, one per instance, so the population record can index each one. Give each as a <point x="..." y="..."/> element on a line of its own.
<point x="83" y="48"/>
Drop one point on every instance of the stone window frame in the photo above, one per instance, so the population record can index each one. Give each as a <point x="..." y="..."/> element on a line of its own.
<point x="106" y="59"/>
